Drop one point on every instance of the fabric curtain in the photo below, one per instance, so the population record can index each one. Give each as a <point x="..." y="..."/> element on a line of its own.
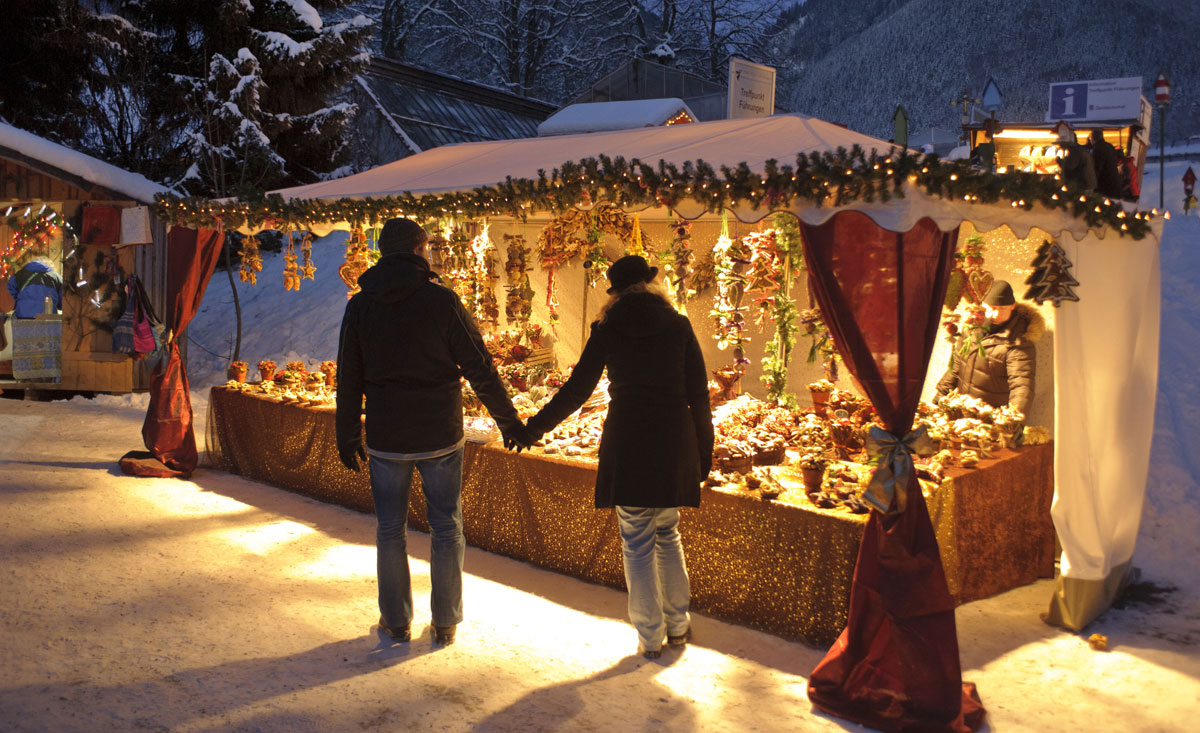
<point x="896" y="664"/>
<point x="167" y="432"/>
<point x="1106" y="349"/>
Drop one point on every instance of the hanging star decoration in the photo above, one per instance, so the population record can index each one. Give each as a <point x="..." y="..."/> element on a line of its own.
<point x="308" y="270"/>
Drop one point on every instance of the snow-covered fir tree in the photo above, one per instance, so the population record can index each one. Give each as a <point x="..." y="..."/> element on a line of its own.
<point x="261" y="102"/>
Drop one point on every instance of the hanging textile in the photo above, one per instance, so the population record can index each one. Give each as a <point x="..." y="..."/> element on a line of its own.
<point x="167" y="432"/>
<point x="1106" y="351"/>
<point x="101" y="225"/>
<point x="896" y="665"/>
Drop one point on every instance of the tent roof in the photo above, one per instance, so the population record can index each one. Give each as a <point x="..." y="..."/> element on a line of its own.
<point x="27" y="147"/>
<point x="466" y="166"/>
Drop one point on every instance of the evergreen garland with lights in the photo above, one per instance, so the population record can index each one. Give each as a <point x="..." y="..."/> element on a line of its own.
<point x="828" y="178"/>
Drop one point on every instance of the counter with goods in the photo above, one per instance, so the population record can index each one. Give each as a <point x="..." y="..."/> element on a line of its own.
<point x="774" y="542"/>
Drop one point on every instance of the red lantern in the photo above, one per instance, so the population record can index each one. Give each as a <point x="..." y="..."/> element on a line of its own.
<point x="1189" y="181"/>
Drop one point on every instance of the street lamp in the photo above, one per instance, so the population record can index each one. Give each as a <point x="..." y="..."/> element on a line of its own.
<point x="1162" y="98"/>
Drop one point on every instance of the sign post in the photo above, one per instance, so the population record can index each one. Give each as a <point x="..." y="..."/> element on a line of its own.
<point x="1162" y="97"/>
<point x="751" y="89"/>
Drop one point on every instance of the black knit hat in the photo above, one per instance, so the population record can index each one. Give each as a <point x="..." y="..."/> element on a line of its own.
<point x="630" y="270"/>
<point x="401" y="235"/>
<point x="1001" y="293"/>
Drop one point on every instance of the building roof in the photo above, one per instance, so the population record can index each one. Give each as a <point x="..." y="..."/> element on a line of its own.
<point x="644" y="79"/>
<point x="605" y="116"/>
<point x="429" y="110"/>
<point x="73" y="166"/>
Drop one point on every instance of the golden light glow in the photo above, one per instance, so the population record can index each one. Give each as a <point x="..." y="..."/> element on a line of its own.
<point x="264" y="538"/>
<point x="1027" y="134"/>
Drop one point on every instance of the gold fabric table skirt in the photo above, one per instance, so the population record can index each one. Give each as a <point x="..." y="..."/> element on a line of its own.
<point x="773" y="566"/>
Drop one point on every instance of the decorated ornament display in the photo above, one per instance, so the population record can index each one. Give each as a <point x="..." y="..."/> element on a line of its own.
<point x="969" y="281"/>
<point x="359" y="257"/>
<point x="731" y="259"/>
<point x="678" y="266"/>
<point x="31" y="230"/>
<point x="308" y="270"/>
<point x="518" y="305"/>
<point x="1051" y="278"/>
<point x="251" y="260"/>
<point x="788" y="249"/>
<point x="483" y="280"/>
<point x="291" y="270"/>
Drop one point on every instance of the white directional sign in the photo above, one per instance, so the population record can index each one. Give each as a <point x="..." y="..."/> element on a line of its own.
<point x="751" y="89"/>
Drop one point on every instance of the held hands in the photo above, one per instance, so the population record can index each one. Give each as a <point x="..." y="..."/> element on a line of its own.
<point x="351" y="455"/>
<point x="518" y="438"/>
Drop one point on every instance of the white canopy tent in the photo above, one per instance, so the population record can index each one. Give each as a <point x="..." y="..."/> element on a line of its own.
<point x="1106" y="344"/>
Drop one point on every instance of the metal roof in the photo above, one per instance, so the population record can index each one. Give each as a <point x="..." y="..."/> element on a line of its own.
<point x="434" y="109"/>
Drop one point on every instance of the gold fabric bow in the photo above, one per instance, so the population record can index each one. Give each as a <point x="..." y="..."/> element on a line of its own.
<point x="889" y="482"/>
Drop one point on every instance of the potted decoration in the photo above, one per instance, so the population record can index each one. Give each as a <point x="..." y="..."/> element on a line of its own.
<point x="812" y="470"/>
<point x="820" y="391"/>
<point x="329" y="369"/>
<point x="237" y="371"/>
<point x="266" y="370"/>
<point x="295" y="372"/>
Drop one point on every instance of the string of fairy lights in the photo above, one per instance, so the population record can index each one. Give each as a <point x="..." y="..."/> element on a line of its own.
<point x="826" y="179"/>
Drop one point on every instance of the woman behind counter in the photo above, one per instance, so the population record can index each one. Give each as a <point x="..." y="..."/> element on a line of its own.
<point x="657" y="442"/>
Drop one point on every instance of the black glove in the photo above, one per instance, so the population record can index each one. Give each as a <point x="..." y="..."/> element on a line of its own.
<point x="351" y="454"/>
<point x="518" y="438"/>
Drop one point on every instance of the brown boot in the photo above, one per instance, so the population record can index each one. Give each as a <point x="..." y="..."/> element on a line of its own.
<point x="444" y="635"/>
<point x="398" y="633"/>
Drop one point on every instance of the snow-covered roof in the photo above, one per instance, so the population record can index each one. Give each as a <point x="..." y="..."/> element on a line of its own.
<point x="465" y="167"/>
<point x="607" y="116"/>
<point x="90" y="169"/>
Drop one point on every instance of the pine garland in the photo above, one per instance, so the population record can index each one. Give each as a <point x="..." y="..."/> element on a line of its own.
<point x="827" y="179"/>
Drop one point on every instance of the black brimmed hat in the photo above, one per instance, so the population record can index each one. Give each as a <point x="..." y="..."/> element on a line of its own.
<point x="1001" y="293"/>
<point x="630" y="270"/>
<point x="401" y="235"/>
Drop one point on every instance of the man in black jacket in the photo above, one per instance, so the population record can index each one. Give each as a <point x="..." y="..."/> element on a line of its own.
<point x="405" y="342"/>
<point x="1107" y="160"/>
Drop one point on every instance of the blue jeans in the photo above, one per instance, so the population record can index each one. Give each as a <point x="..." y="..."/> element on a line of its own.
<point x="441" y="481"/>
<point x="655" y="573"/>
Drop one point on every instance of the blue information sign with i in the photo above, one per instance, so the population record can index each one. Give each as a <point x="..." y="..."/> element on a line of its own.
<point x="1069" y="101"/>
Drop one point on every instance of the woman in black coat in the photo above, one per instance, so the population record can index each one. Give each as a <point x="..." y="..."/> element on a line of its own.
<point x="657" y="442"/>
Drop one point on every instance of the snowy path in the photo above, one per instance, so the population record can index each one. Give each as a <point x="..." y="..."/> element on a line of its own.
<point x="220" y="603"/>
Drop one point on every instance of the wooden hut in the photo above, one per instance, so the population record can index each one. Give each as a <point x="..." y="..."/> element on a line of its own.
<point x="85" y="198"/>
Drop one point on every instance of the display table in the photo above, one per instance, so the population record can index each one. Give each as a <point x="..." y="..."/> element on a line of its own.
<point x="770" y="565"/>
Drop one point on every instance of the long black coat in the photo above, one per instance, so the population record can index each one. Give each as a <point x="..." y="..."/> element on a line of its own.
<point x="658" y="438"/>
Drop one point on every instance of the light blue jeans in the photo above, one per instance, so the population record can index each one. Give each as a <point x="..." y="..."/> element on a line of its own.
<point x="655" y="573"/>
<point x="441" y="482"/>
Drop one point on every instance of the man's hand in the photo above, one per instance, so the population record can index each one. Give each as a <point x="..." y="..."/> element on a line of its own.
<point x="351" y="454"/>
<point x="518" y="438"/>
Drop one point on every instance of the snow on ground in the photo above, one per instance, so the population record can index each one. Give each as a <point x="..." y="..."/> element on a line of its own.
<point x="224" y="604"/>
<point x="220" y="603"/>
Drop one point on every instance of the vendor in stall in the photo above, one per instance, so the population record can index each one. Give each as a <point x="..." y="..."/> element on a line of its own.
<point x="31" y="285"/>
<point x="1003" y="374"/>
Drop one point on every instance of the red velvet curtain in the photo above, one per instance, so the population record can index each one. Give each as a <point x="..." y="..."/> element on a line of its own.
<point x="191" y="257"/>
<point x="895" y="666"/>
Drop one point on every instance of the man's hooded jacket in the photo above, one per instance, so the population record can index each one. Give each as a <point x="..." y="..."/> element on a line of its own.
<point x="405" y="342"/>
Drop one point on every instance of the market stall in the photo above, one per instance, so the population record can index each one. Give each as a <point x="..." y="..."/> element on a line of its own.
<point x="780" y="564"/>
<point x="877" y="232"/>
